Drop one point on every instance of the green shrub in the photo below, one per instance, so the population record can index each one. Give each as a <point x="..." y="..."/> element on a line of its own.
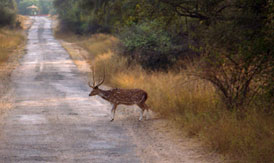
<point x="79" y="16"/>
<point x="8" y="16"/>
<point x="150" y="46"/>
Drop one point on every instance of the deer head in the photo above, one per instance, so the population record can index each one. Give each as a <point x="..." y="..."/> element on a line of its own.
<point x="95" y="88"/>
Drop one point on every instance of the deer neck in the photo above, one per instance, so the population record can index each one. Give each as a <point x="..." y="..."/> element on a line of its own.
<point x="104" y="94"/>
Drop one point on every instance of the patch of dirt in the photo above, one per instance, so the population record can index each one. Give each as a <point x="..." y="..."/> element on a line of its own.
<point x="158" y="140"/>
<point x="78" y="55"/>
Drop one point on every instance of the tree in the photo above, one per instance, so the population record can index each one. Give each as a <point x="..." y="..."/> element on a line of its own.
<point x="23" y="4"/>
<point x="81" y="16"/>
<point x="7" y="12"/>
<point x="44" y="6"/>
<point x="240" y="63"/>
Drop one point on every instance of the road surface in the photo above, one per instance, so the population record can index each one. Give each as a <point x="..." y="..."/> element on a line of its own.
<point x="54" y="119"/>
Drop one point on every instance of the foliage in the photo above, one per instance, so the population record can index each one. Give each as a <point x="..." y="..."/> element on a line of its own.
<point x="45" y="6"/>
<point x="80" y="16"/>
<point x="231" y="38"/>
<point x="239" y="65"/>
<point x="23" y="4"/>
<point x="148" y="45"/>
<point x="7" y="12"/>
<point x="238" y="79"/>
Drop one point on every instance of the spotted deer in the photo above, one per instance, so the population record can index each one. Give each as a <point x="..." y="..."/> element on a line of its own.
<point x="118" y="96"/>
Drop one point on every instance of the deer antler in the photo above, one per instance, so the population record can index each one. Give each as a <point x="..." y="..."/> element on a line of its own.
<point x="103" y="79"/>
<point x="90" y="85"/>
<point x="93" y="77"/>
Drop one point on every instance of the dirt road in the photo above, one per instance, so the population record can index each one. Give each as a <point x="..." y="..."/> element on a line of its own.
<point x="54" y="120"/>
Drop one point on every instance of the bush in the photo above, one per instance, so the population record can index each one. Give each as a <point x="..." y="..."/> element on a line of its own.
<point x="9" y="40"/>
<point x="151" y="47"/>
<point x="79" y="16"/>
<point x="8" y="16"/>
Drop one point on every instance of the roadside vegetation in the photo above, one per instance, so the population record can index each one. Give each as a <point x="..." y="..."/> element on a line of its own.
<point x="206" y="65"/>
<point x="12" y="39"/>
<point x="9" y="40"/>
<point x="11" y="33"/>
<point x="44" y="7"/>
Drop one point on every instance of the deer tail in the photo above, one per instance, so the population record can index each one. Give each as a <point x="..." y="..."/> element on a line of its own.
<point x="144" y="100"/>
<point x="145" y="97"/>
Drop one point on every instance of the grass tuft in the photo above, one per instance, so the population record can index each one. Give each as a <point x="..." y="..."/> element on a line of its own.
<point x="9" y="40"/>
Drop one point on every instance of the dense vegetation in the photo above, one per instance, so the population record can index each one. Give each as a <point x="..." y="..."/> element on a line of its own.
<point x="208" y="63"/>
<point x="10" y="8"/>
<point x="10" y="36"/>
<point x="235" y="38"/>
<point x="45" y="6"/>
<point x="7" y="12"/>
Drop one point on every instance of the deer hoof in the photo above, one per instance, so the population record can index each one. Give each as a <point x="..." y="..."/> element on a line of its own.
<point x="147" y="117"/>
<point x="111" y="120"/>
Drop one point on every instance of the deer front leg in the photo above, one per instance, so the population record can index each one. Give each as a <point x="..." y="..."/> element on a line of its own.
<point x="113" y="112"/>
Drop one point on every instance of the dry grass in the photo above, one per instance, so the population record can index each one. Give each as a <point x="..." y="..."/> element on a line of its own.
<point x="25" y="21"/>
<point x="195" y="107"/>
<point x="100" y="44"/>
<point x="9" y="41"/>
<point x="190" y="102"/>
<point x="246" y="140"/>
<point x="11" y="46"/>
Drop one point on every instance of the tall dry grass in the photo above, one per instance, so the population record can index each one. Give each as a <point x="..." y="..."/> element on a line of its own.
<point x="196" y="107"/>
<point x="192" y="103"/>
<point x="100" y="44"/>
<point x="9" y="41"/>
<point x="11" y="46"/>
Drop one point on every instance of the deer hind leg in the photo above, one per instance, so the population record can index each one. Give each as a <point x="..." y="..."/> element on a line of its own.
<point x="143" y="107"/>
<point x="113" y="112"/>
<point x="147" y="110"/>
